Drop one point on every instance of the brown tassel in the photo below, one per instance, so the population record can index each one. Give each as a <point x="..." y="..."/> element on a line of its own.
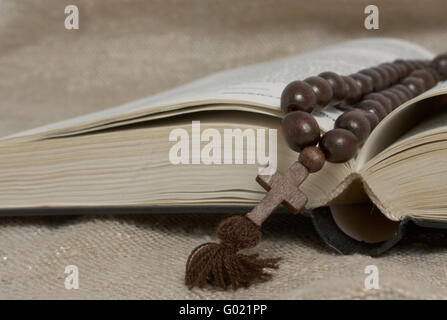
<point x="221" y="265"/>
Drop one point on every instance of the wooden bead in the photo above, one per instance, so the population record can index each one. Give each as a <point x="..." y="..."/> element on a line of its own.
<point x="413" y="65"/>
<point x="312" y="158"/>
<point x="372" y="118"/>
<point x="298" y="96"/>
<point x="384" y="75"/>
<point x="374" y="107"/>
<point x="404" y="89"/>
<point x="394" y="98"/>
<point x="404" y="69"/>
<point x="356" y="122"/>
<point x="375" y="77"/>
<point x="354" y="91"/>
<point x="440" y="65"/>
<point x="339" y="145"/>
<point x="364" y="81"/>
<point x="416" y="85"/>
<point x="425" y="63"/>
<point x="402" y="96"/>
<point x="322" y="89"/>
<point x="392" y="73"/>
<point x="408" y="65"/>
<point x="401" y="69"/>
<point x="337" y="83"/>
<point x="300" y="130"/>
<point x="384" y="101"/>
<point x="426" y="76"/>
<point x="420" y="64"/>
<point x="434" y="73"/>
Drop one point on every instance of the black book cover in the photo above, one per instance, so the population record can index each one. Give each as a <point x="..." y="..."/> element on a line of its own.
<point x="335" y="238"/>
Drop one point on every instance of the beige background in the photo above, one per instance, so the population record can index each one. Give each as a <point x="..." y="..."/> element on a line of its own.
<point x="129" y="49"/>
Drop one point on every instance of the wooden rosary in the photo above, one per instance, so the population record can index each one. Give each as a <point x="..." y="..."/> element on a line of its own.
<point x="366" y="98"/>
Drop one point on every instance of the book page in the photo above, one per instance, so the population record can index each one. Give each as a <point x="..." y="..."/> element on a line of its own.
<point x="435" y="122"/>
<point x="257" y="85"/>
<point x="405" y="122"/>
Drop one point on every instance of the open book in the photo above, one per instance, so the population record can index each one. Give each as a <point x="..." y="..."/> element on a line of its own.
<point x="131" y="158"/>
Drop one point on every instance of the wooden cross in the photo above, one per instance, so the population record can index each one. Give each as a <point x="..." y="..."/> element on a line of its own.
<point x="282" y="189"/>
